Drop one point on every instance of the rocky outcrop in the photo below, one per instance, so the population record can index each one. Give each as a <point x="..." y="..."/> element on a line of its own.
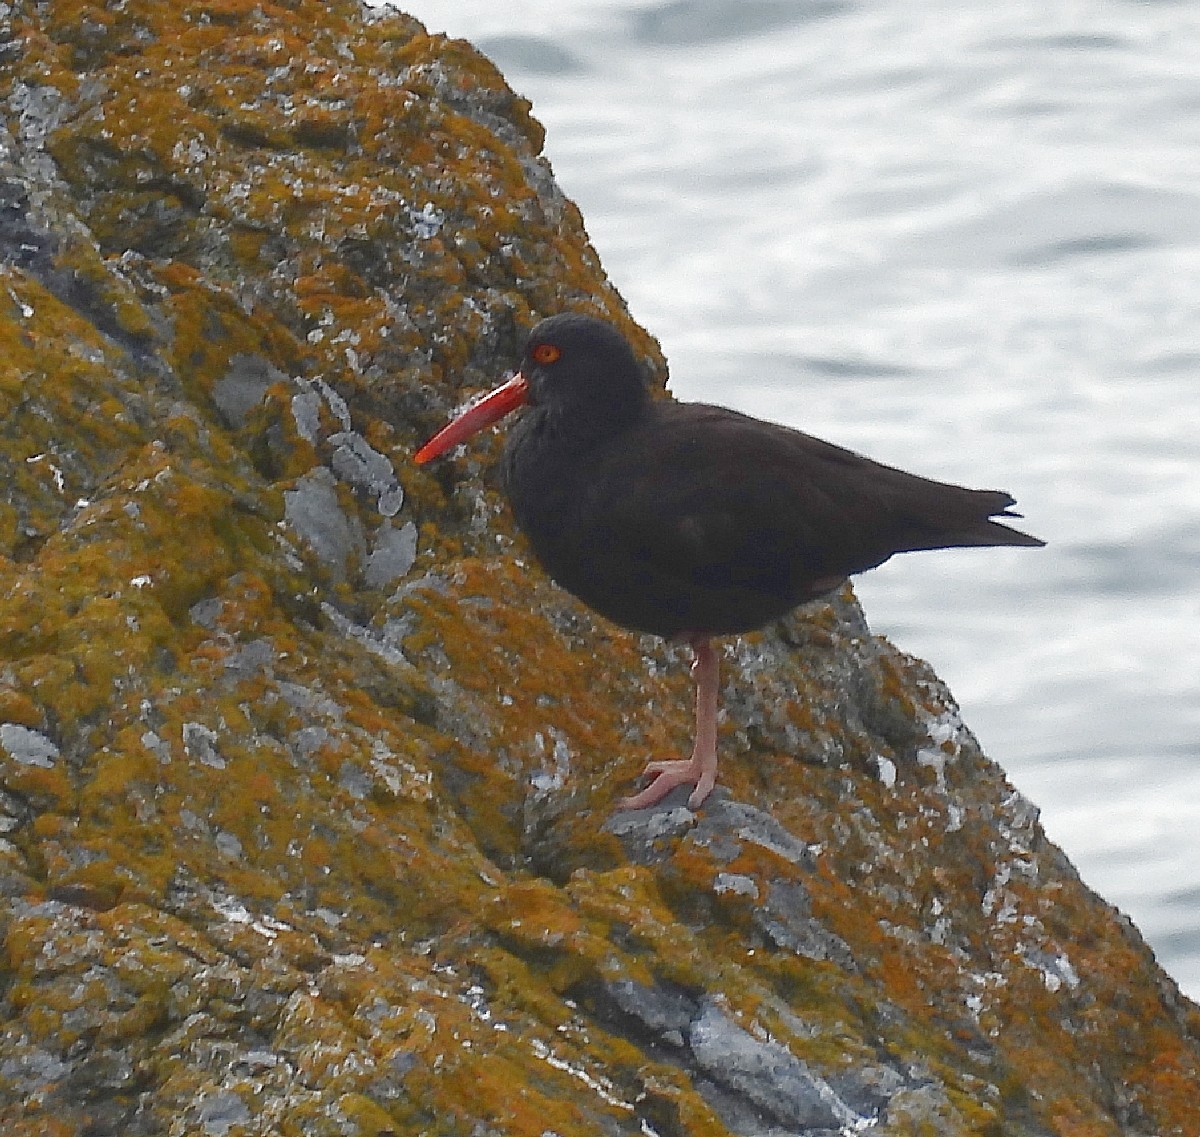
<point x="307" y="774"/>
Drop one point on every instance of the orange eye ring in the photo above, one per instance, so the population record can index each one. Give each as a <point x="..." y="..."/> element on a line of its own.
<point x="546" y="353"/>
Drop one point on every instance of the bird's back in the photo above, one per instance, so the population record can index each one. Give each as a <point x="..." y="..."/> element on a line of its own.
<point x="701" y="519"/>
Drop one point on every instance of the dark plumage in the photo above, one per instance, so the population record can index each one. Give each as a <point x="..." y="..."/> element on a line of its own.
<point x="689" y="520"/>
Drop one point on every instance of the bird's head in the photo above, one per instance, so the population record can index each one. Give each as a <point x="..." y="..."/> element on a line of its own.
<point x="577" y="367"/>
<point x="579" y="364"/>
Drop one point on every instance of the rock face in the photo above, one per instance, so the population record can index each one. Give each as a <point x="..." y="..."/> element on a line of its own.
<point x="307" y="775"/>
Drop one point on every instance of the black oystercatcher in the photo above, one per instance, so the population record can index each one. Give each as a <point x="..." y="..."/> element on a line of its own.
<point x="692" y="521"/>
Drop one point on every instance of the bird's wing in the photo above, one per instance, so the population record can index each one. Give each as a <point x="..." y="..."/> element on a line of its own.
<point x="719" y="499"/>
<point x="711" y="496"/>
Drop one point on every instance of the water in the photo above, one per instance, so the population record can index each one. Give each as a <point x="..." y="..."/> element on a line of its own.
<point x="963" y="238"/>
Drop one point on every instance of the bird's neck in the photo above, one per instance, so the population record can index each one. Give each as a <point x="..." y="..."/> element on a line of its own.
<point x="584" y="423"/>
<point x="548" y="451"/>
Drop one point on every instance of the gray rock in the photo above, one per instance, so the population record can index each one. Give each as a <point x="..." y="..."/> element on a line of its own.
<point x="786" y="919"/>
<point x="768" y="1074"/>
<point x="251" y="658"/>
<point x="646" y="833"/>
<point x="725" y="817"/>
<point x="32" y="1070"/>
<point x="29" y="747"/>
<point x="357" y="783"/>
<point x="200" y="742"/>
<point x="221" y="1111"/>
<point x="393" y="556"/>
<point x="306" y="410"/>
<point x="228" y="845"/>
<point x="313" y="511"/>
<point x="206" y="612"/>
<point x="666" y="1013"/>
<point x="357" y="462"/>
<point x="243" y="386"/>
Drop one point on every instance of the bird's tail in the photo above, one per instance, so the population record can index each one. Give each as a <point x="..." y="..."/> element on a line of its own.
<point x="973" y="525"/>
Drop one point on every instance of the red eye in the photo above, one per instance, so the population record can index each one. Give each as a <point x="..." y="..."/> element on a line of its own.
<point x="546" y="353"/>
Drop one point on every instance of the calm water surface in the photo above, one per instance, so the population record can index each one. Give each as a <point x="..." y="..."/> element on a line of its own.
<point x="964" y="238"/>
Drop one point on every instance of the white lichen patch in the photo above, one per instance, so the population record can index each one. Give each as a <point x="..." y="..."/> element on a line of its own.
<point x="29" y="747"/>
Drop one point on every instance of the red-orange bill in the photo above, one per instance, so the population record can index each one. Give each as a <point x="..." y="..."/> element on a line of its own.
<point x="491" y="408"/>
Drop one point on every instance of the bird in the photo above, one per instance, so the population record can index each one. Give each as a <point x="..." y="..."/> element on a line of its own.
<point x="692" y="521"/>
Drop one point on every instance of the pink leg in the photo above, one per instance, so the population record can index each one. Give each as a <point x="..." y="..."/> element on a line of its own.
<point x="700" y="770"/>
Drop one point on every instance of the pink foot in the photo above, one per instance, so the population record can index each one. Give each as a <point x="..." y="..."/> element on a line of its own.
<point x="668" y="775"/>
<point x="700" y="770"/>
